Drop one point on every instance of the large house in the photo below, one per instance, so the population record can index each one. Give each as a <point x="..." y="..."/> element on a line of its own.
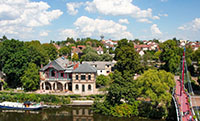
<point x="103" y="67"/>
<point x="62" y="75"/>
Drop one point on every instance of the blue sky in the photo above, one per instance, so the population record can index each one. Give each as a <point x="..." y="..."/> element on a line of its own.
<point x="47" y="20"/>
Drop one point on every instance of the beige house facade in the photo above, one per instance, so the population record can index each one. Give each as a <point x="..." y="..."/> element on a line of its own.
<point x="61" y="75"/>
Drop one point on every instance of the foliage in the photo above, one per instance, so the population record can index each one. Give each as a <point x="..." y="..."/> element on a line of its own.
<point x="157" y="55"/>
<point x="37" y="54"/>
<point x="106" y="57"/>
<point x="170" y="55"/>
<point x="127" y="58"/>
<point x="14" y="58"/>
<point x="51" y="51"/>
<point x="30" y="79"/>
<point x="125" y="110"/>
<point x="75" y="57"/>
<point x="91" y="56"/>
<point x="89" y="49"/>
<point x="21" y="97"/>
<point x="102" y="80"/>
<point x="156" y="86"/>
<point x="65" y="51"/>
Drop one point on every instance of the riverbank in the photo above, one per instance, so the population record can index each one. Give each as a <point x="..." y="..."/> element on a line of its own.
<point x="45" y="98"/>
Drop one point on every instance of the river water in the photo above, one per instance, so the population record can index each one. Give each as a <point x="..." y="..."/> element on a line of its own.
<point x="65" y="113"/>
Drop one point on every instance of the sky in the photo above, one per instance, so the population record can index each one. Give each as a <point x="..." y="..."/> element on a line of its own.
<point x="46" y="20"/>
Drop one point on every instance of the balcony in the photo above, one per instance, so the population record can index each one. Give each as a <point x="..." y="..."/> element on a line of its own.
<point x="58" y="79"/>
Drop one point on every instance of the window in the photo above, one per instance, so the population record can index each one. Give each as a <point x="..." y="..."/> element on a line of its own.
<point x="53" y="73"/>
<point x="89" y="87"/>
<point x="89" y="77"/>
<point x="76" y="77"/>
<point x="101" y="71"/>
<point x="108" y="66"/>
<point x="76" y="87"/>
<point x="108" y="71"/>
<point x="82" y="77"/>
<point x="61" y="75"/>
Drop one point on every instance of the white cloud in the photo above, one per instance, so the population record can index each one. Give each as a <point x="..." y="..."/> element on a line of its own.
<point x="44" y="33"/>
<point x="192" y="26"/>
<point x="20" y="16"/>
<point x="88" y="27"/>
<point x="144" y="20"/>
<point x="155" y="30"/>
<point x="119" y="7"/>
<point x="123" y="21"/>
<point x="72" y="8"/>
<point x="68" y="33"/>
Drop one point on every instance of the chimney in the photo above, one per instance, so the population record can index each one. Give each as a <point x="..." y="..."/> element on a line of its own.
<point x="41" y="65"/>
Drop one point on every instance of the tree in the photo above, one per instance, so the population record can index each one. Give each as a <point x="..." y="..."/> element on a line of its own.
<point x="30" y="79"/>
<point x="127" y="58"/>
<point x="102" y="80"/>
<point x="156" y="86"/>
<point x="51" y="51"/>
<point x="37" y="54"/>
<point x="91" y="56"/>
<point x="65" y="51"/>
<point x="75" y="57"/>
<point x="171" y="55"/>
<point x="89" y="49"/>
<point x="106" y="57"/>
<point x="157" y="55"/>
<point x="14" y="58"/>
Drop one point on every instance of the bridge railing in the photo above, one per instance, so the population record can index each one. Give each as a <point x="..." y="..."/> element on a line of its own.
<point x="176" y="105"/>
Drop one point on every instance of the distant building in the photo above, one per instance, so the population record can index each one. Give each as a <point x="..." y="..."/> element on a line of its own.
<point x="103" y="67"/>
<point x="62" y="75"/>
<point x="99" y="50"/>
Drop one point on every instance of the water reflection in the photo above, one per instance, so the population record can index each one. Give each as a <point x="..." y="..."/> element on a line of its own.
<point x="60" y="114"/>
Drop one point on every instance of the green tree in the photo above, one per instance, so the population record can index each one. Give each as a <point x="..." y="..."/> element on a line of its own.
<point x="51" y="51"/>
<point x="157" y="55"/>
<point x="102" y="80"/>
<point x="37" y="54"/>
<point x="30" y="79"/>
<point x="106" y="57"/>
<point x="65" y="51"/>
<point x="89" y="49"/>
<point x="75" y="57"/>
<point x="156" y="86"/>
<point x="127" y="58"/>
<point x="91" y="56"/>
<point x="171" y="55"/>
<point x="14" y="58"/>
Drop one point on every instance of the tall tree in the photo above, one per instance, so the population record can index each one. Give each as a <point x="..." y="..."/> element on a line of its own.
<point x="30" y="79"/>
<point x="127" y="58"/>
<point x="14" y="58"/>
<point x="155" y="86"/>
<point x="51" y="51"/>
<point x="37" y="54"/>
<point x="170" y="55"/>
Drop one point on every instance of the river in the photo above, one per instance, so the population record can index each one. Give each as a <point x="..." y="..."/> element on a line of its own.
<point x="64" y="113"/>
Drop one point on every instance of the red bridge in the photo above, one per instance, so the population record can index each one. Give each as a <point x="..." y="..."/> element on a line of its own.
<point x="182" y="98"/>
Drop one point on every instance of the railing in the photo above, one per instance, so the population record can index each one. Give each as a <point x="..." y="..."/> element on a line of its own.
<point x="176" y="106"/>
<point x="58" y="79"/>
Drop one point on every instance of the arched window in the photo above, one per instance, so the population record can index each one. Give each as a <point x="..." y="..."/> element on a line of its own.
<point x="89" y="87"/>
<point x="76" y="87"/>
